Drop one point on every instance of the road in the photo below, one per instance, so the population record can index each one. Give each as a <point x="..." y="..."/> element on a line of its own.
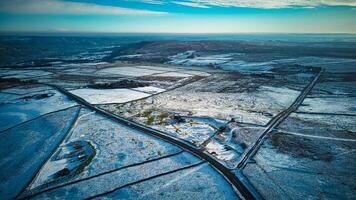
<point x="277" y="120"/>
<point x="243" y="191"/>
<point x="237" y="180"/>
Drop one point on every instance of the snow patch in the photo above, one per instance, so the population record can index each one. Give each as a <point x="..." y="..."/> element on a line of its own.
<point x="128" y="71"/>
<point x="149" y="89"/>
<point x="173" y="74"/>
<point x="96" y="96"/>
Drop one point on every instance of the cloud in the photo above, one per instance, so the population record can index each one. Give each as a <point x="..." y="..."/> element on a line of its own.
<point x="190" y="4"/>
<point x="158" y="2"/>
<point x="274" y="3"/>
<point x="256" y="3"/>
<point x="67" y="7"/>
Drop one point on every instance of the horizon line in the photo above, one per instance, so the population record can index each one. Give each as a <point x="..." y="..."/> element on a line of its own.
<point x="169" y="33"/>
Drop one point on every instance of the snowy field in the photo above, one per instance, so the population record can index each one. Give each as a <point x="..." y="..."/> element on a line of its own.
<point x="95" y="96"/>
<point x="220" y="98"/>
<point x="313" y="150"/>
<point x="20" y="104"/>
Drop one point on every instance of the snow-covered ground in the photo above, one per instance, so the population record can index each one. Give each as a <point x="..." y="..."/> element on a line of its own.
<point x="129" y="56"/>
<point x="119" y="178"/>
<point x="310" y="153"/>
<point x="120" y="150"/>
<point x="188" y="58"/>
<point x="334" y="89"/>
<point x="103" y="96"/>
<point x="115" y="145"/>
<point x="242" y="66"/>
<point x="173" y="74"/>
<point x="223" y="61"/>
<point x="200" y="182"/>
<point x="149" y="89"/>
<point x="313" y="150"/>
<point x="22" y="74"/>
<point x="25" y="89"/>
<point x="346" y="105"/>
<point x="329" y="64"/>
<point x="128" y="71"/>
<point x="300" y="167"/>
<point x="232" y="62"/>
<point x="29" y="104"/>
<point x="224" y="153"/>
<point x="229" y="105"/>
<point x="24" y="149"/>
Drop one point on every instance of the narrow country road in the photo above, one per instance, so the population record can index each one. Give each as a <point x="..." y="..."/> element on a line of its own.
<point x="277" y="120"/>
<point x="227" y="174"/>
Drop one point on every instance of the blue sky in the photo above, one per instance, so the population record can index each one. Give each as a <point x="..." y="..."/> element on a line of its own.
<point x="174" y="16"/>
